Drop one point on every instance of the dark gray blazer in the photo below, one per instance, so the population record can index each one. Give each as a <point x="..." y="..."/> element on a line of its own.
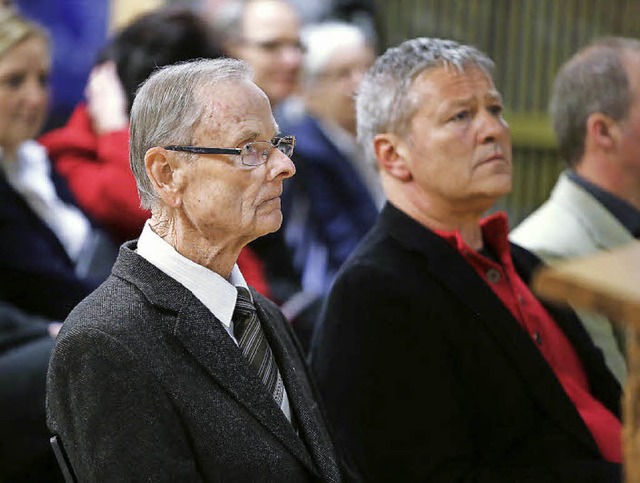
<point x="145" y="384"/>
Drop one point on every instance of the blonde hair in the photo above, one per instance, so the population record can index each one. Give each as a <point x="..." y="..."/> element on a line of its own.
<point x="14" y="28"/>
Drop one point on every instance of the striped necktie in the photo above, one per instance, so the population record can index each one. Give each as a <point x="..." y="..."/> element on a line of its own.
<point x="254" y="346"/>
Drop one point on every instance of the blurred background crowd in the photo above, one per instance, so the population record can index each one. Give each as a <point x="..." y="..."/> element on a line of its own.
<point x="69" y="70"/>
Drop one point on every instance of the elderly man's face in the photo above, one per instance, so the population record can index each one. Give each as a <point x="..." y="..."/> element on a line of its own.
<point x="271" y="45"/>
<point x="224" y="199"/>
<point x="459" y="148"/>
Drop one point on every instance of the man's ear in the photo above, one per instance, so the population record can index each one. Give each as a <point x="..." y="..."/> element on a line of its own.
<point x="164" y="172"/>
<point x="602" y="130"/>
<point x="391" y="153"/>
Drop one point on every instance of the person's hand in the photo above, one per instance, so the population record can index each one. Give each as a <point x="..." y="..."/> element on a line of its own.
<point x="106" y="99"/>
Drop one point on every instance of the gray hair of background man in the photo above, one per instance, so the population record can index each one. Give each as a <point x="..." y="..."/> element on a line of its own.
<point x="228" y="20"/>
<point x="593" y="80"/>
<point x="385" y="103"/>
<point x="168" y="107"/>
<point x="322" y="40"/>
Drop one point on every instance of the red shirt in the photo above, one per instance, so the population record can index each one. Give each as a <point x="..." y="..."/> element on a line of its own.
<point x="503" y="279"/>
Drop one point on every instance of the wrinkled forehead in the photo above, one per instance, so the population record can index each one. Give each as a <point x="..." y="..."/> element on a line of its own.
<point x="453" y="70"/>
<point x="234" y="109"/>
<point x="446" y="76"/>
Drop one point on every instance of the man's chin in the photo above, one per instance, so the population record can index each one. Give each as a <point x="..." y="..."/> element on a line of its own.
<point x="270" y="224"/>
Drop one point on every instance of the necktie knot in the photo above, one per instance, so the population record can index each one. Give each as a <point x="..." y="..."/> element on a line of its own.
<point x="244" y="306"/>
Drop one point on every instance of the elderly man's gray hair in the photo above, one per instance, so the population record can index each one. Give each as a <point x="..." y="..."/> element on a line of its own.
<point x="384" y="102"/>
<point x="593" y="80"/>
<point x="168" y="107"/>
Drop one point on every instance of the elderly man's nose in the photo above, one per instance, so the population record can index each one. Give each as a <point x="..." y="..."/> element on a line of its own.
<point x="281" y="165"/>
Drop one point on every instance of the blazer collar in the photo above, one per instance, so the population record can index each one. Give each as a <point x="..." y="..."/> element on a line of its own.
<point x="204" y="337"/>
<point x="605" y="230"/>
<point x="445" y="265"/>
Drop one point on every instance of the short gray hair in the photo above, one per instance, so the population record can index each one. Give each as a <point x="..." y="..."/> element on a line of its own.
<point x="322" y="40"/>
<point x="168" y="107"/>
<point x="593" y="80"/>
<point x="385" y="103"/>
<point x="228" y="20"/>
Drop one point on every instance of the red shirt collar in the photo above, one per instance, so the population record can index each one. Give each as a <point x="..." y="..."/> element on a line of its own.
<point x="495" y="236"/>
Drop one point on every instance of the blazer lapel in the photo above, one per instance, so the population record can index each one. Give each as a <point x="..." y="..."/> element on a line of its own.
<point x="445" y="264"/>
<point x="203" y="336"/>
<point x="303" y="405"/>
<point x="206" y="339"/>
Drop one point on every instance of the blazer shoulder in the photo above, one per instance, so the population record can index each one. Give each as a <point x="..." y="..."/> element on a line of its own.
<point x="570" y="223"/>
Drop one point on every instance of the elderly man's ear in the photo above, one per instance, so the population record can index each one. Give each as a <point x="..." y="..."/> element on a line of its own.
<point x="166" y="174"/>
<point x="391" y="153"/>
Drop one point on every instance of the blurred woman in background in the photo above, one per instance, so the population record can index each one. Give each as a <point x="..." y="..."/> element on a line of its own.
<point x="45" y="253"/>
<point x="51" y="255"/>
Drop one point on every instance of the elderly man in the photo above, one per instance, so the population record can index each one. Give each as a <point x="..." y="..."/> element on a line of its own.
<point x="174" y="369"/>
<point x="435" y="360"/>
<point x="595" y="205"/>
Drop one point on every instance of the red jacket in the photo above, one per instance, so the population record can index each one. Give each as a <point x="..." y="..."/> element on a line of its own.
<point x="97" y="171"/>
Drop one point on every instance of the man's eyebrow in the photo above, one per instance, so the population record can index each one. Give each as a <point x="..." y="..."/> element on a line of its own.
<point x="493" y="95"/>
<point x="465" y="101"/>
<point x="247" y="136"/>
<point x="250" y="136"/>
<point x="458" y="102"/>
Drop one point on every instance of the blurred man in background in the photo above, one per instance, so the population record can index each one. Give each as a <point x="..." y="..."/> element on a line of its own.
<point x="334" y="198"/>
<point x="266" y="34"/>
<point x="595" y="205"/>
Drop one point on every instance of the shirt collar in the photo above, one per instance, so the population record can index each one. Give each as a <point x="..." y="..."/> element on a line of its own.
<point x="624" y="212"/>
<point x="495" y="231"/>
<point x="215" y="292"/>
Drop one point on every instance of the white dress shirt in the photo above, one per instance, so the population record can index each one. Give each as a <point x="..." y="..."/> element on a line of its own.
<point x="214" y="291"/>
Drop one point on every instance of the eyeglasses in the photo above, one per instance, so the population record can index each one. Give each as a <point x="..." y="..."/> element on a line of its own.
<point x="251" y="154"/>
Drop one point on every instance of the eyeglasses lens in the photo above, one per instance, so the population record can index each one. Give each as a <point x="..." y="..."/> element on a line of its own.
<point x="285" y="145"/>
<point x="257" y="153"/>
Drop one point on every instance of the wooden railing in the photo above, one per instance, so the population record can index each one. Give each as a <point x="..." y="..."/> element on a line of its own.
<point x="608" y="282"/>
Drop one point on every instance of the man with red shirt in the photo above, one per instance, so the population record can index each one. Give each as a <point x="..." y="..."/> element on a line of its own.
<point x="435" y="360"/>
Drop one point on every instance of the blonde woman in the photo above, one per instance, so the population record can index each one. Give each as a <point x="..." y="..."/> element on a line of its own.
<point x="47" y="245"/>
